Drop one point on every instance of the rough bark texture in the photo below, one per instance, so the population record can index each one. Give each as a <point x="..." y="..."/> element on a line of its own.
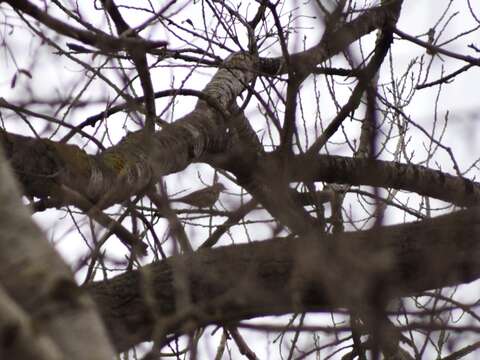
<point x="280" y="276"/>
<point x="414" y="178"/>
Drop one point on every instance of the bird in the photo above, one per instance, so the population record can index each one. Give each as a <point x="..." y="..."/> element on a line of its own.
<point x="203" y="198"/>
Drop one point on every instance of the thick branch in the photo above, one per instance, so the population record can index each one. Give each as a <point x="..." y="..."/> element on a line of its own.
<point x="42" y="289"/>
<point x="337" y="40"/>
<point x="415" y="178"/>
<point x="119" y="172"/>
<point x="264" y="278"/>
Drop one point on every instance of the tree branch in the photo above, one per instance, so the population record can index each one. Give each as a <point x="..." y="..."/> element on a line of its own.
<point x="98" y="38"/>
<point x="415" y="178"/>
<point x="43" y="286"/>
<point x="243" y="281"/>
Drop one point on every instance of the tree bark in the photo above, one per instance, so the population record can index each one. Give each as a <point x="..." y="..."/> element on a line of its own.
<point x="40" y="289"/>
<point x="281" y="276"/>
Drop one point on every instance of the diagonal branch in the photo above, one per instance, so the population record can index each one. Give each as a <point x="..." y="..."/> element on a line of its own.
<point x="98" y="38"/>
<point x="336" y="41"/>
<point x="365" y="77"/>
<point x="43" y="286"/>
